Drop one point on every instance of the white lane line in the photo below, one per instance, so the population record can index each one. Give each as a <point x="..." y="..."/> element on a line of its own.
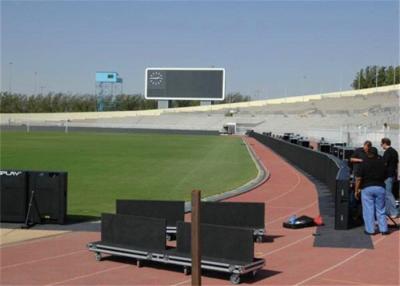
<point x="345" y="281"/>
<point x="180" y="283"/>
<point x="293" y="170"/>
<point x="293" y="188"/>
<point x="337" y="264"/>
<point x="284" y="163"/>
<point x="286" y="246"/>
<point x="88" y="275"/>
<point x="42" y="259"/>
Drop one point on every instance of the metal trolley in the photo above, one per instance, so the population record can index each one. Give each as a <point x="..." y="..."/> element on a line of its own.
<point x="235" y="269"/>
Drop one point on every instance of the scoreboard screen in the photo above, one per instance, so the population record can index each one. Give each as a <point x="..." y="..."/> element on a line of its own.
<point x="185" y="84"/>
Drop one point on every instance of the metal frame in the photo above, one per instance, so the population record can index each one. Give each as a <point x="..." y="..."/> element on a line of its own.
<point x="170" y="232"/>
<point x="258" y="233"/>
<point x="185" y="98"/>
<point x="164" y="257"/>
<point x="171" y="229"/>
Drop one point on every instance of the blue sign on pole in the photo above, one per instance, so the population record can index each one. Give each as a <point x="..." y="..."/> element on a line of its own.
<point x="107" y="77"/>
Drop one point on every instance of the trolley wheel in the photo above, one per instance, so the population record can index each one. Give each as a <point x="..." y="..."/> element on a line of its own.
<point x="235" y="278"/>
<point x="186" y="270"/>
<point x="169" y="237"/>
<point x="254" y="273"/>
<point x="98" y="256"/>
<point x="259" y="238"/>
<point x="139" y="263"/>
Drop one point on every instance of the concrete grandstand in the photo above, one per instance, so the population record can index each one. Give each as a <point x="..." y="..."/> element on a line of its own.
<point x="349" y="116"/>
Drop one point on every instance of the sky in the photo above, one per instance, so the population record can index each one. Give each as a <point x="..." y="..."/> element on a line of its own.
<point x="268" y="48"/>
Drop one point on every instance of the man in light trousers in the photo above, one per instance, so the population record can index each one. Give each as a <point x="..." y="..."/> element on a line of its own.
<point x="370" y="182"/>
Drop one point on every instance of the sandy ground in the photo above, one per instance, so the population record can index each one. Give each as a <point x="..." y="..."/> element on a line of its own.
<point x="13" y="235"/>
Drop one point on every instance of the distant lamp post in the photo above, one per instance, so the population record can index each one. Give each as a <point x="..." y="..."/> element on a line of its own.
<point x="10" y="79"/>
<point x="341" y="83"/>
<point x="35" y="90"/>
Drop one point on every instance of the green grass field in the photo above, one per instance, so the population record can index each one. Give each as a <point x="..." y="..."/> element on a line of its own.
<point x="103" y="167"/>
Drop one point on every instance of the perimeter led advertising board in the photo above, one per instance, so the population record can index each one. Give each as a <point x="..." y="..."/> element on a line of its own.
<point x="185" y="83"/>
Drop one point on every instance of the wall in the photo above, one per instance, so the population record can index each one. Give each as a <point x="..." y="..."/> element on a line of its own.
<point x="326" y="168"/>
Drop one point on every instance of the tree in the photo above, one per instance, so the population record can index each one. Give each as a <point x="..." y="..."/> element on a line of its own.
<point x="235" y="97"/>
<point x="389" y="77"/>
<point x="381" y="76"/>
<point x="374" y="76"/>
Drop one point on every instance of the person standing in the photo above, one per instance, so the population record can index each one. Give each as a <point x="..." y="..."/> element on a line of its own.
<point x="391" y="158"/>
<point x="370" y="182"/>
<point x="360" y="154"/>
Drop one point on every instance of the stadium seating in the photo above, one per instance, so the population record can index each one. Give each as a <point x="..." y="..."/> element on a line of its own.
<point x="349" y="116"/>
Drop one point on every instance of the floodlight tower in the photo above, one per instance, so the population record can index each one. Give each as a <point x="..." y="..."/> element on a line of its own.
<point x="108" y="84"/>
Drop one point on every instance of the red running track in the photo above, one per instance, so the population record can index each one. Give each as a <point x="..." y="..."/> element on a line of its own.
<point x="290" y="256"/>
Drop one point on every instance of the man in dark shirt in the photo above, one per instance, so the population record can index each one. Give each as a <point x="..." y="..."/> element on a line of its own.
<point x="370" y="182"/>
<point x="360" y="154"/>
<point x="391" y="158"/>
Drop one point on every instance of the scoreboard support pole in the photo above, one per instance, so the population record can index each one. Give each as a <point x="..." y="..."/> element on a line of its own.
<point x="163" y="104"/>
<point x="205" y="102"/>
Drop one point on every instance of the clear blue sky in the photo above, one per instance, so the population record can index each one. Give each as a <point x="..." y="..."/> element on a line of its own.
<point x="265" y="47"/>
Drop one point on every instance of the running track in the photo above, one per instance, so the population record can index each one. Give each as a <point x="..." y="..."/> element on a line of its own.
<point x="290" y="256"/>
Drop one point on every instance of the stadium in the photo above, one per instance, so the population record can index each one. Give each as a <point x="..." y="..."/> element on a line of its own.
<point x="261" y="191"/>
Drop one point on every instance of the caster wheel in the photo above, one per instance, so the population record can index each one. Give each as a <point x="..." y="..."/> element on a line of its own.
<point x="98" y="256"/>
<point x="186" y="270"/>
<point x="254" y="273"/>
<point x="235" y="279"/>
<point x="169" y="237"/>
<point x="259" y="238"/>
<point x="139" y="263"/>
